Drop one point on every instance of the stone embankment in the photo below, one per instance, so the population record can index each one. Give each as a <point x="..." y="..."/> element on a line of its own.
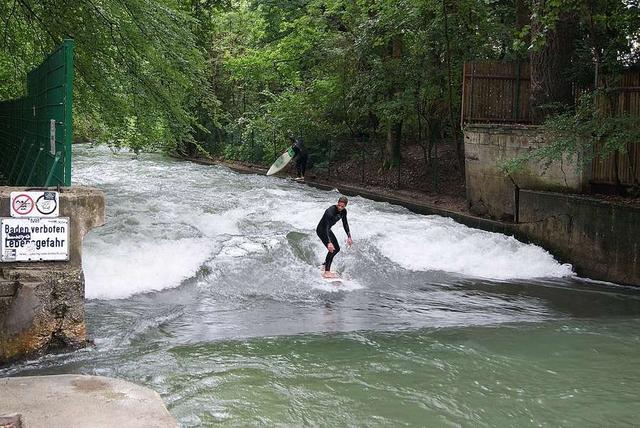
<point x="41" y="309"/>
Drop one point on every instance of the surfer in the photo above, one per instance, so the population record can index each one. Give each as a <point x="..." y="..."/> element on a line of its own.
<point x="301" y="156"/>
<point x="331" y="217"/>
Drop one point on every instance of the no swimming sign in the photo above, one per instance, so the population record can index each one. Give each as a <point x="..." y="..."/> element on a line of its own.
<point x="34" y="239"/>
<point x="34" y="204"/>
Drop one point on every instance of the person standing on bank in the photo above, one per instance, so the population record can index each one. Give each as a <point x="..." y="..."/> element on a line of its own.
<point x="331" y="217"/>
<point x="301" y="156"/>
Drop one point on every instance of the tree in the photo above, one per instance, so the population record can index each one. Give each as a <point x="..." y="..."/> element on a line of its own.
<point x="374" y="72"/>
<point x="136" y="63"/>
<point x="554" y="34"/>
<point x="601" y="39"/>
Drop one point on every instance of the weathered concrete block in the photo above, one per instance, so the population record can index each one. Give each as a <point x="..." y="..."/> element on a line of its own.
<point x="7" y="288"/>
<point x="46" y="312"/>
<point x="42" y="303"/>
<point x="600" y="238"/>
<point x="489" y="190"/>
<point x="83" y="402"/>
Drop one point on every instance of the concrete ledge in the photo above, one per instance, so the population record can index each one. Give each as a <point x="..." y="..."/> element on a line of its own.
<point x="419" y="208"/>
<point x="82" y="401"/>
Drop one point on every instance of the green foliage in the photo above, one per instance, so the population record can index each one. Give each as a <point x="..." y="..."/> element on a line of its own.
<point x="234" y="76"/>
<point x="323" y="69"/>
<point x="138" y="69"/>
<point x="607" y="40"/>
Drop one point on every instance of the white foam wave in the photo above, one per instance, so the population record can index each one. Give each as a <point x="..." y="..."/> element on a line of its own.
<point x="437" y="243"/>
<point x="161" y="228"/>
<point x="423" y="243"/>
<point x="218" y="224"/>
<point x="241" y="247"/>
<point x="117" y="272"/>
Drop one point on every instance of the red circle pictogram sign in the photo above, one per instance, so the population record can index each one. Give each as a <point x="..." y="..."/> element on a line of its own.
<point x="23" y="204"/>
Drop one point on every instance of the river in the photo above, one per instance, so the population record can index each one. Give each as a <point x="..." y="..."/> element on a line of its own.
<point x="204" y="285"/>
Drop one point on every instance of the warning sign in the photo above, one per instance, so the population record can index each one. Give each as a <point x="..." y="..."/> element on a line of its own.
<point x="34" y="204"/>
<point x="34" y="239"/>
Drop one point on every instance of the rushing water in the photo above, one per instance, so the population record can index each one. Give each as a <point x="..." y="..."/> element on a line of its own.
<point x="204" y="285"/>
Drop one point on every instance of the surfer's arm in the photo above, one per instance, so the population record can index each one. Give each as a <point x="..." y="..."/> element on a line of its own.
<point x="345" y="224"/>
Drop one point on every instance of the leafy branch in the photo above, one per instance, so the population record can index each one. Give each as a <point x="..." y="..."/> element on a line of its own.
<point x="592" y="130"/>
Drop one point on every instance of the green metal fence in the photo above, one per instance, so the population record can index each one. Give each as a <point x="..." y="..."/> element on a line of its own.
<point x="36" y="130"/>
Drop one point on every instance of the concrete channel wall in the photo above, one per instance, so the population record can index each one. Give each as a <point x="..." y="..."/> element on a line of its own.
<point x="42" y="303"/>
<point x="492" y="193"/>
<point x="544" y="205"/>
<point x="599" y="238"/>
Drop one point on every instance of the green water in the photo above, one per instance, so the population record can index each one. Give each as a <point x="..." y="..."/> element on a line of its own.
<point x="557" y="374"/>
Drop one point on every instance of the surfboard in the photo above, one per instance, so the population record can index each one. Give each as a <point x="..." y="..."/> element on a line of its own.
<point x="334" y="280"/>
<point x="282" y="161"/>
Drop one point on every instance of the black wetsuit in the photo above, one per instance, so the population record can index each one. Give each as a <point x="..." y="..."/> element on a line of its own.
<point x="331" y="217"/>
<point x="301" y="157"/>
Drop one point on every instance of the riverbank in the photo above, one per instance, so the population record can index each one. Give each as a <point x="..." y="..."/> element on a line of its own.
<point x="438" y="203"/>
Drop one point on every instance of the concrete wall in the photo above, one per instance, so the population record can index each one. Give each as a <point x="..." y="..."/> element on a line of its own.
<point x="489" y="191"/>
<point x="599" y="238"/>
<point x="42" y="303"/>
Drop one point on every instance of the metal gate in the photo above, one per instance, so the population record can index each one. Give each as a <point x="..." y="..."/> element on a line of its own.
<point x="36" y="130"/>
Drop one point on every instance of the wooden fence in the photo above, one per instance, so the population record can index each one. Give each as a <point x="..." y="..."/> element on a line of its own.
<point x="498" y="92"/>
<point x="620" y="168"/>
<point x="495" y="92"/>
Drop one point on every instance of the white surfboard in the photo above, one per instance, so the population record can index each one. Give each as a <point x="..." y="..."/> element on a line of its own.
<point x="282" y="161"/>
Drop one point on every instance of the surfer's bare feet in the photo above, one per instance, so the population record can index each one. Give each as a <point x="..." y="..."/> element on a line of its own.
<point x="328" y="274"/>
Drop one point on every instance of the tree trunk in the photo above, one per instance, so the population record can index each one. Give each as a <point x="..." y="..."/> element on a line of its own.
<point x="394" y="126"/>
<point x="523" y="18"/>
<point x="454" y="127"/>
<point x="392" y="146"/>
<point x="551" y="63"/>
<point x="522" y="14"/>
